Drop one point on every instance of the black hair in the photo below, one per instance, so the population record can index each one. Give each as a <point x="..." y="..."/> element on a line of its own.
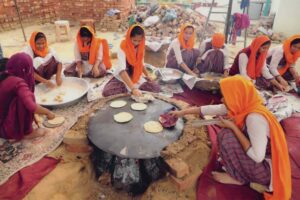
<point x="295" y="41"/>
<point x="39" y="35"/>
<point x="266" y="43"/>
<point x="84" y="32"/>
<point x="189" y="27"/>
<point x="3" y="62"/>
<point x="137" y="31"/>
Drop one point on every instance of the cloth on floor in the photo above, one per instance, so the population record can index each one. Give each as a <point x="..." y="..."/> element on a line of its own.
<point x="282" y="105"/>
<point x="96" y="89"/>
<point x="22" y="182"/>
<point x="207" y="188"/>
<point x="18" y="155"/>
<point x="197" y="97"/>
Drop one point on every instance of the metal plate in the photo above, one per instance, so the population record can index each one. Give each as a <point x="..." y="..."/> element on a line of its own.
<point x="210" y="81"/>
<point x="129" y="140"/>
<point x="73" y="88"/>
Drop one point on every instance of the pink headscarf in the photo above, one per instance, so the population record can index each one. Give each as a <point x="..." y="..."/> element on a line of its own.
<point x="21" y="65"/>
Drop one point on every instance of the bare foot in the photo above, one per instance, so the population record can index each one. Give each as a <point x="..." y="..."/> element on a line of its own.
<point x="39" y="132"/>
<point x="225" y="178"/>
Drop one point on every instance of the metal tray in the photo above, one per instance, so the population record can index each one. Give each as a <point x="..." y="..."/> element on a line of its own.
<point x="73" y="88"/>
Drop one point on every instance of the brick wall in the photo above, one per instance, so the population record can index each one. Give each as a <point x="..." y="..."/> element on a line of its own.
<point x="31" y="11"/>
<point x="41" y="11"/>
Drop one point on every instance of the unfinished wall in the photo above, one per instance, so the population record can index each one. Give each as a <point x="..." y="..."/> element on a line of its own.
<point x="41" y="11"/>
<point x="32" y="11"/>
<point x="287" y="17"/>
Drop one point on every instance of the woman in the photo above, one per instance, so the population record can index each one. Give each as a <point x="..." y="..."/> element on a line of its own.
<point x="214" y="55"/>
<point x="91" y="55"/>
<point x="181" y="54"/>
<point x="45" y="61"/>
<point x="17" y="102"/>
<point x="252" y="144"/>
<point x="128" y="75"/>
<point x="251" y="64"/>
<point x="281" y="61"/>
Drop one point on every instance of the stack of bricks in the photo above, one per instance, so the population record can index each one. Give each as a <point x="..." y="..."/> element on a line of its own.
<point x="31" y="11"/>
<point x="68" y="9"/>
<point x="111" y="23"/>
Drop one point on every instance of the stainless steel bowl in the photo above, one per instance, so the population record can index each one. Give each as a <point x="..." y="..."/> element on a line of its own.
<point x="169" y="75"/>
<point x="71" y="91"/>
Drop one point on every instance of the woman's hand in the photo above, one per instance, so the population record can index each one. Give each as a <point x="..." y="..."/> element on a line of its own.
<point x="50" y="115"/>
<point x="136" y="92"/>
<point x="177" y="113"/>
<point x="282" y="81"/>
<point x="95" y="72"/>
<point x="227" y="123"/>
<point x="226" y="73"/>
<point x="79" y="69"/>
<point x="58" y="80"/>
<point x="49" y="84"/>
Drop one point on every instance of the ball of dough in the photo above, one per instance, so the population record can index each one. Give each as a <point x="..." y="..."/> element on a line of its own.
<point x="153" y="127"/>
<point x="118" y="104"/>
<point x="138" y="106"/>
<point x="123" y="117"/>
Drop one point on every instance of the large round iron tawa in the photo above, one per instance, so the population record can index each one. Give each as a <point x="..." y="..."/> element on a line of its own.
<point x="130" y="140"/>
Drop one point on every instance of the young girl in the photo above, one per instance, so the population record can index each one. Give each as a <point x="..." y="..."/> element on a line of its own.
<point x="91" y="55"/>
<point x="131" y="74"/>
<point x="17" y="102"/>
<point x="282" y="59"/>
<point x="251" y="64"/>
<point x="181" y="54"/>
<point x="45" y="61"/>
<point x="214" y="55"/>
<point x="252" y="144"/>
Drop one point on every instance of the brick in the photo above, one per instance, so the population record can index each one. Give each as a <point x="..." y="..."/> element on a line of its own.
<point x="178" y="167"/>
<point x="187" y="182"/>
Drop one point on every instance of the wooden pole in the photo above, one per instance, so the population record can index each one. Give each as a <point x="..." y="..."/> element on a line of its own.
<point x="202" y="37"/>
<point x="19" y="16"/>
<point x="228" y="20"/>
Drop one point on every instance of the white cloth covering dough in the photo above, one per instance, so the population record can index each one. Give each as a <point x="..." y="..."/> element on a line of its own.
<point x="123" y="117"/>
<point x="153" y="127"/>
<point x="118" y="104"/>
<point x="138" y="106"/>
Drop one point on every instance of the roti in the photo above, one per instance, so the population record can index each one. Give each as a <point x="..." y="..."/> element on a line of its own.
<point x="118" y="104"/>
<point x="56" y="121"/>
<point x="153" y="127"/>
<point x="123" y="117"/>
<point x="138" y="106"/>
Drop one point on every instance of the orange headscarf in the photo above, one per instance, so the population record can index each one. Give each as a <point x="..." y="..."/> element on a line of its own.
<point x="190" y="43"/>
<point x="255" y="65"/>
<point x="289" y="57"/>
<point x="134" y="57"/>
<point x="94" y="47"/>
<point x="241" y="98"/>
<point x="33" y="46"/>
<point x="218" y="40"/>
